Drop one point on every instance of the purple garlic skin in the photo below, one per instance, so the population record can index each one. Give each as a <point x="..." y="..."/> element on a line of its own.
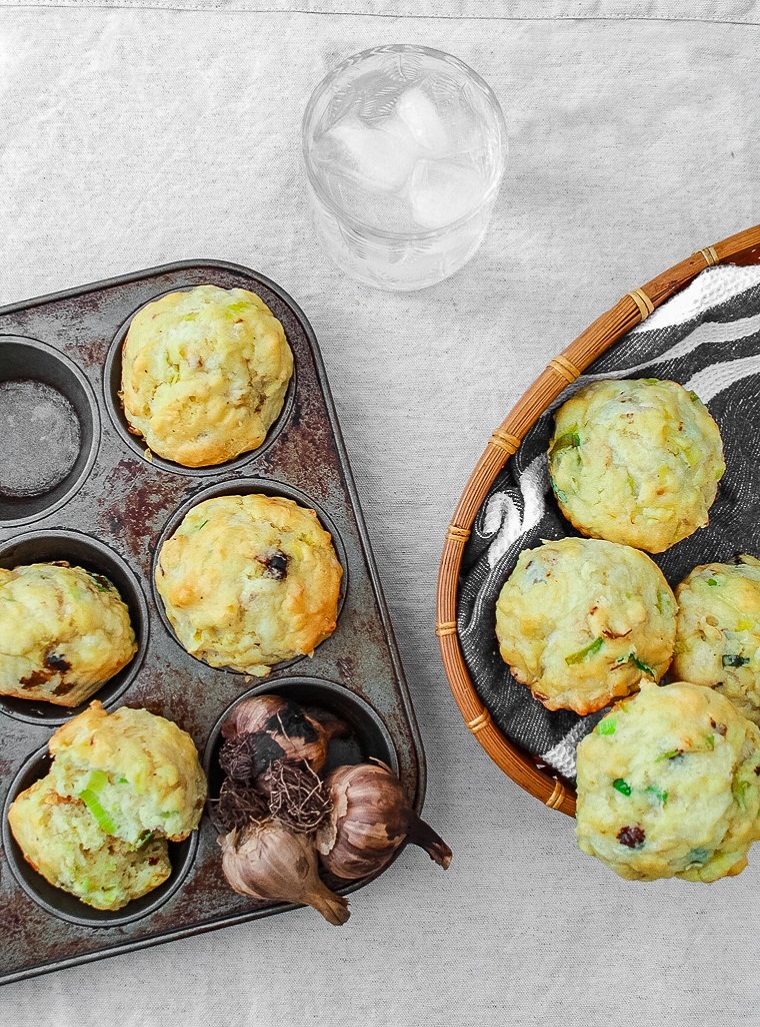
<point x="370" y="819"/>
<point x="281" y="729"/>
<point x="267" y="861"/>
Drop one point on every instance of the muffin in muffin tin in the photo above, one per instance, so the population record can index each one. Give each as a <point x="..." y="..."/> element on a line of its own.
<point x="63" y="842"/>
<point x="64" y="632"/>
<point x="204" y="374"/>
<point x="249" y="581"/>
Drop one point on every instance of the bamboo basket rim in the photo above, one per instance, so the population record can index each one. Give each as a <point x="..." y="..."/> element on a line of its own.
<point x="742" y="248"/>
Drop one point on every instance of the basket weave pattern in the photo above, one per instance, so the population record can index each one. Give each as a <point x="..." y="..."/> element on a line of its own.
<point x="634" y="307"/>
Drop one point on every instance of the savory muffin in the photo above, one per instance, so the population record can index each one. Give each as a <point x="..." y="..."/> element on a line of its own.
<point x="581" y="621"/>
<point x="249" y="581"/>
<point x="64" y="631"/>
<point x="668" y="785"/>
<point x="718" y="631"/>
<point x="636" y="462"/>
<point x="137" y="773"/>
<point x="62" y="841"/>
<point x="204" y="374"/>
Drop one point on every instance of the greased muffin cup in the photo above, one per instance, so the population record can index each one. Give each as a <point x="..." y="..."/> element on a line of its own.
<point x="112" y="521"/>
<point x="51" y="428"/>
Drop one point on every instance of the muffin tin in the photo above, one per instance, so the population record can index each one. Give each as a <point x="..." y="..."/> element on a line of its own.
<point x="109" y="512"/>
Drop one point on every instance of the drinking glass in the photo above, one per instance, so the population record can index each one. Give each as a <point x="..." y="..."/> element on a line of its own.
<point x="404" y="150"/>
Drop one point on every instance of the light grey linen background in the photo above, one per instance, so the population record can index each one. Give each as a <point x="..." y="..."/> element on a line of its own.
<point x="133" y="137"/>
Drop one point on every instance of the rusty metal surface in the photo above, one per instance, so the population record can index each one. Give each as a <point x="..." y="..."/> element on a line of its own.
<point x="125" y="501"/>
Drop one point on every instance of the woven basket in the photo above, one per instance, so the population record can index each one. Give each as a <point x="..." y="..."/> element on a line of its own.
<point x="635" y="306"/>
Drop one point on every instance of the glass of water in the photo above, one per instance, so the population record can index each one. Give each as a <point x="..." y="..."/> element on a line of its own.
<point x="404" y="149"/>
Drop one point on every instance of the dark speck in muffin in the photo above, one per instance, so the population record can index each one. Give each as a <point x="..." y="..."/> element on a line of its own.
<point x="632" y="837"/>
<point x="276" y="565"/>
<point x="56" y="662"/>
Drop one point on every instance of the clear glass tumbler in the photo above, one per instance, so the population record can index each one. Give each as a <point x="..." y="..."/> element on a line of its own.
<point x="404" y="149"/>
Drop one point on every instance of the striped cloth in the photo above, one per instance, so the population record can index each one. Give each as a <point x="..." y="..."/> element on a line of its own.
<point x="708" y="338"/>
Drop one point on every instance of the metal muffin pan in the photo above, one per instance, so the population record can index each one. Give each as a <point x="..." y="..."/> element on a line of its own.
<point x="109" y="513"/>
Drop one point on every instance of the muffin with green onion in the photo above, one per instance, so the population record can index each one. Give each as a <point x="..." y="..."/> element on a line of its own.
<point x="137" y="773"/>
<point x="636" y="461"/>
<point x="204" y="374"/>
<point x="669" y="785"/>
<point x="63" y="842"/>
<point x="583" y="621"/>
<point x="120" y="787"/>
<point x="718" y="631"/>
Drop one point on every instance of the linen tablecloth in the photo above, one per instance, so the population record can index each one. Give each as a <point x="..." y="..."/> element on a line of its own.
<point x="133" y="135"/>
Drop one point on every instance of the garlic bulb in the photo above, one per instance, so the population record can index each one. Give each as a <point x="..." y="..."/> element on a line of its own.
<point x="267" y="861"/>
<point x="370" y="819"/>
<point x="266" y="728"/>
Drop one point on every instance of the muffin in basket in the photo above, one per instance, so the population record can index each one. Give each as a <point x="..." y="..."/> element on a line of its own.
<point x="249" y="581"/>
<point x="668" y="785"/>
<point x="581" y="621"/>
<point x="636" y="462"/>
<point x="204" y="374"/>
<point x="64" y="631"/>
<point x="718" y="631"/>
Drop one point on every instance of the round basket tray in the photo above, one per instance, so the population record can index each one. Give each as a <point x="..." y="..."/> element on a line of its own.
<point x="634" y="307"/>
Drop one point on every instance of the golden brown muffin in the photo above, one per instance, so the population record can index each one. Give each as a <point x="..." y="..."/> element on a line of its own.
<point x="636" y="462"/>
<point x="249" y="581"/>
<point x="718" y="631"/>
<point x="668" y="785"/>
<point x="62" y="841"/>
<point x="581" y="621"/>
<point x="64" y="632"/>
<point x="204" y="374"/>
<point x="137" y="773"/>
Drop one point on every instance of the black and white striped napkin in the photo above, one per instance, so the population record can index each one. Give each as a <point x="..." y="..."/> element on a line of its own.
<point x="707" y="338"/>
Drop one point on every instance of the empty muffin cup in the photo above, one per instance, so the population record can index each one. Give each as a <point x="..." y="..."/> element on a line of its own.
<point x="112" y="374"/>
<point x="51" y="429"/>
<point x="94" y="556"/>
<point x="64" y="905"/>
